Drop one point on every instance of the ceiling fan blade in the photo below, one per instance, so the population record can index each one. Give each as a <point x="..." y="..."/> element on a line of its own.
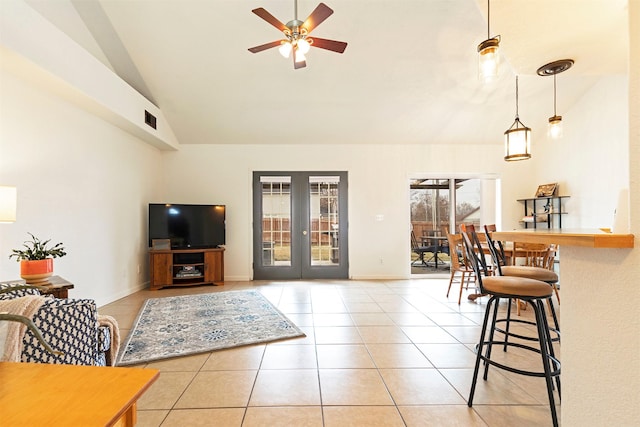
<point x="321" y="12"/>
<point x="265" y="46"/>
<point x="262" y="13"/>
<point x="332" y="45"/>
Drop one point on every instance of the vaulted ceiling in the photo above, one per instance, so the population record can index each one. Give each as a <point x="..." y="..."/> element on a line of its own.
<point x="408" y="75"/>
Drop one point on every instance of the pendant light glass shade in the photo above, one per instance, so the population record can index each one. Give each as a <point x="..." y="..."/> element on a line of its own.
<point x="555" y="127"/>
<point x="488" y="59"/>
<point x="488" y="54"/>
<point x="517" y="142"/>
<point x="517" y="139"/>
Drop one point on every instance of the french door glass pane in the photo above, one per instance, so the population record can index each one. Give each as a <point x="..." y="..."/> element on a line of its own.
<point x="323" y="198"/>
<point x="276" y="220"/>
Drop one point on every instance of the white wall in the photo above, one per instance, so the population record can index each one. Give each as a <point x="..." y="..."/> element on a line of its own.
<point x="107" y="166"/>
<point x="590" y="163"/>
<point x="81" y="181"/>
<point x="86" y="183"/>
<point x="34" y="48"/>
<point x="378" y="180"/>
<point x="596" y="138"/>
<point x="378" y="184"/>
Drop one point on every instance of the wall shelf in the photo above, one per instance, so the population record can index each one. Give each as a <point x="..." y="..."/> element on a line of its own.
<point x="543" y="211"/>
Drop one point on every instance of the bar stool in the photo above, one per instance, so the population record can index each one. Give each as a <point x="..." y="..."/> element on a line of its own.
<point x="533" y="292"/>
<point x="531" y="272"/>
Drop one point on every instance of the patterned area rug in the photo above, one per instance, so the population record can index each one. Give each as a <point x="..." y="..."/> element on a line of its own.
<point x="179" y="326"/>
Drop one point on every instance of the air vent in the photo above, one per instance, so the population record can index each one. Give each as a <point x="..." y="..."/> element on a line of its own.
<point x="150" y="119"/>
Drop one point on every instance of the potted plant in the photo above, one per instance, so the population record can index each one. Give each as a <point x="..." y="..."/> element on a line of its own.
<point x="36" y="259"/>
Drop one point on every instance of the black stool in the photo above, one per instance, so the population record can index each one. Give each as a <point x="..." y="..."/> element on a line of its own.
<point x="533" y="292"/>
<point x="530" y="272"/>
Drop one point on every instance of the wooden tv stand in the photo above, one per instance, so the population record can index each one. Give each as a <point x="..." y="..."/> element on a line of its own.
<point x="186" y="267"/>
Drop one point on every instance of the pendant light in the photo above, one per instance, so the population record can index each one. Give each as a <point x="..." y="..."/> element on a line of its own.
<point x="488" y="54"/>
<point x="517" y="139"/>
<point x="552" y="69"/>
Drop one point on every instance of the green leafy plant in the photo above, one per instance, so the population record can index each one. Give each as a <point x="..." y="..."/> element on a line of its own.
<point x="36" y="249"/>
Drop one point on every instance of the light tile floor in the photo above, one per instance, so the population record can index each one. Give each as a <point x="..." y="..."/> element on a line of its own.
<point x="377" y="353"/>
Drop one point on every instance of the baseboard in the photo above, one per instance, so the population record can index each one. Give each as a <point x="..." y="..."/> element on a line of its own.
<point x="380" y="277"/>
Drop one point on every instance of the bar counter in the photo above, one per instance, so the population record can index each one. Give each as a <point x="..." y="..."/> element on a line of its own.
<point x="599" y="322"/>
<point x="568" y="237"/>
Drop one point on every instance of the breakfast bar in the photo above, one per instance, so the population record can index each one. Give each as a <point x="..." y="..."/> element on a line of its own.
<point x="567" y="237"/>
<point x="599" y="340"/>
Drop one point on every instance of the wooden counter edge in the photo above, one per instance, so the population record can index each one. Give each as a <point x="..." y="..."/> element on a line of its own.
<point x="128" y="415"/>
<point x="584" y="239"/>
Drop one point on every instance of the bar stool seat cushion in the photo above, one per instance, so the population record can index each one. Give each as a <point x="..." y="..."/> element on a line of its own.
<point x="516" y="287"/>
<point x="537" y="273"/>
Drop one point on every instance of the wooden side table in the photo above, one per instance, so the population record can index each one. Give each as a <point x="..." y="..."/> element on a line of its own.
<point x="41" y="394"/>
<point x="55" y="285"/>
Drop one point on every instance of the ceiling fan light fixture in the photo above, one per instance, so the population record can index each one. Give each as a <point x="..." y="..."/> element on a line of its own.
<point x="300" y="56"/>
<point x="517" y="139"/>
<point x="285" y="49"/>
<point x="303" y="46"/>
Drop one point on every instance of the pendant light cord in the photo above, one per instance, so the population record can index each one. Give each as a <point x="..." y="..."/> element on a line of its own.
<point x="554" y="95"/>
<point x="517" y="118"/>
<point x="488" y="19"/>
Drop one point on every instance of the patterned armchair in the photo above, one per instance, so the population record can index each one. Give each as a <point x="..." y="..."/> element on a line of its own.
<point x="71" y="326"/>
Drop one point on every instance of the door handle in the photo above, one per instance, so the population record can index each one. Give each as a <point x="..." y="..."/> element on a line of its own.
<point x="304" y="232"/>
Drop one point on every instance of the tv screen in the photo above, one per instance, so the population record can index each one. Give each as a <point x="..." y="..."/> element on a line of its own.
<point x="187" y="226"/>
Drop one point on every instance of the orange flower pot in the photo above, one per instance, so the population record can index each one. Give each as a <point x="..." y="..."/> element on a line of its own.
<point x="38" y="271"/>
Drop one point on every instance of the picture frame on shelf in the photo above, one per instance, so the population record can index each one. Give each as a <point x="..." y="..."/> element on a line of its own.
<point x="546" y="190"/>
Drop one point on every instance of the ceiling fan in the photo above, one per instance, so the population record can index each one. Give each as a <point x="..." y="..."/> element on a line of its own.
<point x="297" y="40"/>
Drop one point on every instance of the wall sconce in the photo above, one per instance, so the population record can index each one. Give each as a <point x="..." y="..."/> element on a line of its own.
<point x="552" y="69"/>
<point x="517" y="139"/>
<point x="488" y="54"/>
<point x="8" y="203"/>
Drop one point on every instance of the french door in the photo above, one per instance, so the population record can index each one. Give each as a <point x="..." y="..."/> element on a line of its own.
<point x="300" y="225"/>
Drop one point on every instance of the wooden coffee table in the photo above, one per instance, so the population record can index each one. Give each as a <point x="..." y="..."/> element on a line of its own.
<point x="40" y="394"/>
<point x="54" y="285"/>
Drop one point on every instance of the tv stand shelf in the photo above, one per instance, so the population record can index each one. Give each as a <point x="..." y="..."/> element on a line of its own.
<point x="186" y="267"/>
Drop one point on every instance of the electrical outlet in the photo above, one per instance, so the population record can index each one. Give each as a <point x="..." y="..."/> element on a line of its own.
<point x="138" y="268"/>
<point x="381" y="260"/>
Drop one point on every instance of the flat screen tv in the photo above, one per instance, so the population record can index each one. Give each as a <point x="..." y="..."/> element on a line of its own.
<point x="187" y="226"/>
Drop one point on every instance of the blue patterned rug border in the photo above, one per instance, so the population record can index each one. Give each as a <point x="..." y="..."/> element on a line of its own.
<point x="190" y="324"/>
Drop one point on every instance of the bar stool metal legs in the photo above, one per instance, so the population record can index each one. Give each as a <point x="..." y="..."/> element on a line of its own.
<point x="550" y="363"/>
<point x="507" y="322"/>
